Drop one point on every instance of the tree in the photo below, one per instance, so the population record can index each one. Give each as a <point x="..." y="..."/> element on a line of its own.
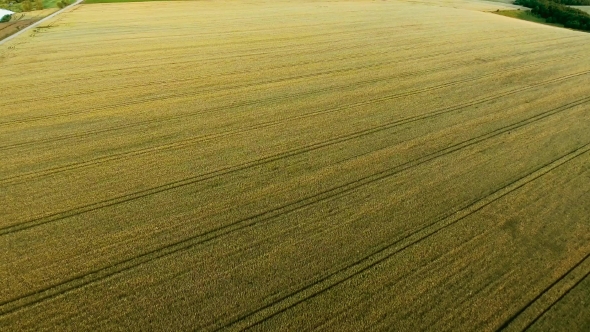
<point x="63" y="3"/>
<point x="27" y="6"/>
<point x="38" y="4"/>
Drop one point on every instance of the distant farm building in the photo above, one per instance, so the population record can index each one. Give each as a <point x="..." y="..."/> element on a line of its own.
<point x="4" y="12"/>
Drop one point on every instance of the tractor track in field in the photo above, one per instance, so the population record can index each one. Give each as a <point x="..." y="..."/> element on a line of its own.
<point x="512" y="318"/>
<point x="385" y="29"/>
<point x="208" y="89"/>
<point x="282" y="98"/>
<point x="214" y="87"/>
<point x="368" y="262"/>
<point x="265" y="51"/>
<point x="276" y="50"/>
<point x="94" y="276"/>
<point x="153" y="98"/>
<point x="190" y="141"/>
<point x="349" y="24"/>
<point x="323" y="165"/>
<point x="252" y="53"/>
<point x="216" y="59"/>
<point x="257" y="162"/>
<point x="560" y="297"/>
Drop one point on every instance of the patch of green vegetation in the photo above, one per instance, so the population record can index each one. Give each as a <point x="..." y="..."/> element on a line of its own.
<point x="50" y="3"/>
<point x="556" y="12"/>
<point x="10" y="5"/>
<point x="17" y="6"/>
<point x="525" y="15"/>
<point x="573" y="2"/>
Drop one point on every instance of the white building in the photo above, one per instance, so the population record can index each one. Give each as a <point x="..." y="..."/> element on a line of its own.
<point x="4" y="12"/>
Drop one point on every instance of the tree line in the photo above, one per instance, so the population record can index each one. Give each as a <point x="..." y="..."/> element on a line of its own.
<point x="29" y="5"/>
<point x="556" y="11"/>
<point x="22" y="5"/>
<point x="573" y="2"/>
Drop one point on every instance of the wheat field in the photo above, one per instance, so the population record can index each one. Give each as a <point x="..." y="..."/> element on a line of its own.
<point x="296" y="165"/>
<point x="583" y="8"/>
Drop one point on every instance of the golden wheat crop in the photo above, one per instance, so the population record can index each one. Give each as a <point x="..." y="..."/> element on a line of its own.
<point x="337" y="165"/>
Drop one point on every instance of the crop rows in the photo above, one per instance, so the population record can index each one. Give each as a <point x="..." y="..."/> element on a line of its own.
<point x="294" y="165"/>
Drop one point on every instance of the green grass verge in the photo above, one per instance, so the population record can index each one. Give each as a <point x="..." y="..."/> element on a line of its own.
<point x="16" y="7"/>
<point x="525" y="15"/>
<point x="50" y="3"/>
